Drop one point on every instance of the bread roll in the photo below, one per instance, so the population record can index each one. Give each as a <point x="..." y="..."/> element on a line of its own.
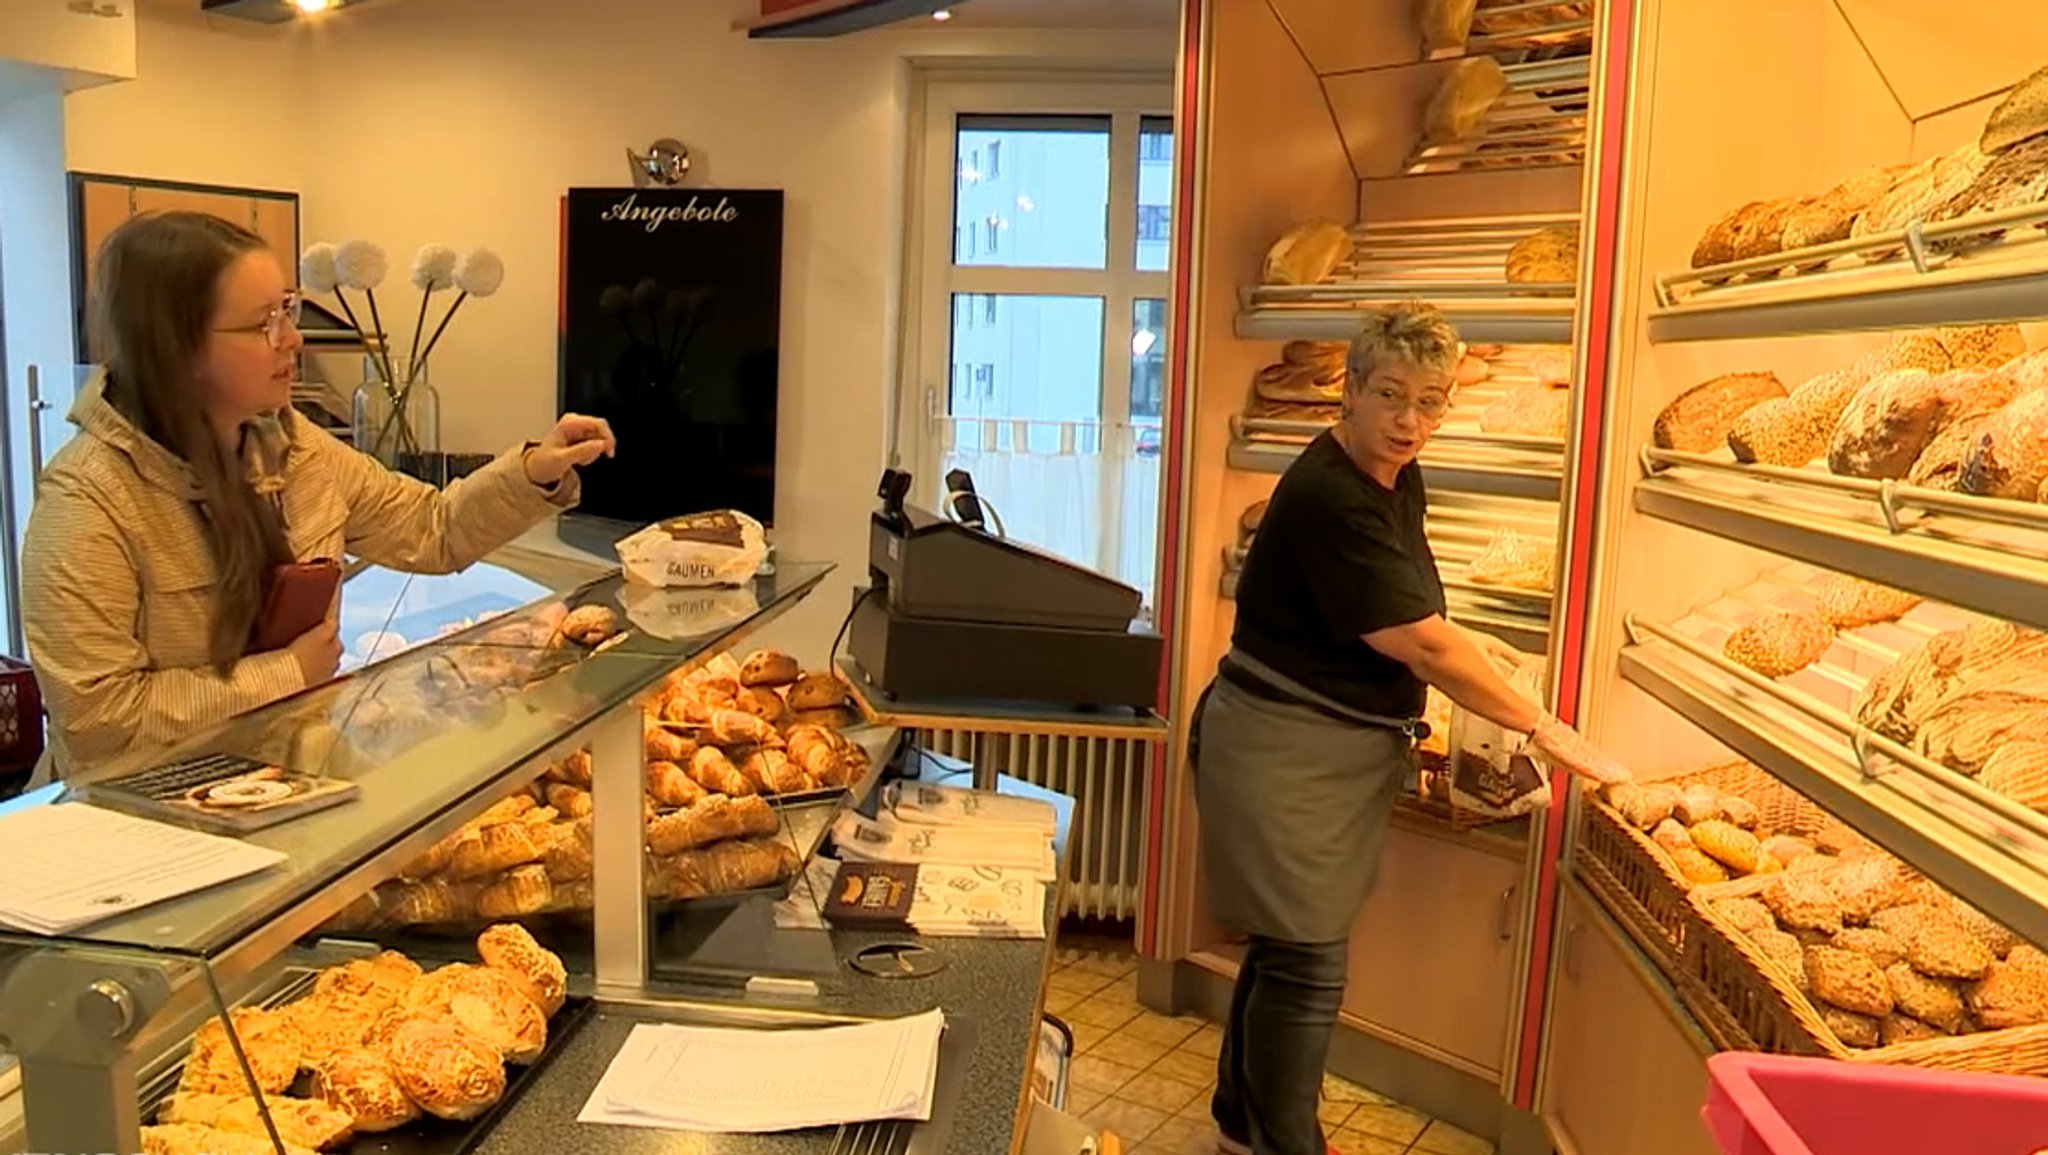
<point x="1848" y="980"/>
<point x="1302" y="384"/>
<point x="299" y="1123"/>
<point x="1981" y="346"/>
<point x="333" y="1022"/>
<point x="381" y="979"/>
<point x="1327" y="356"/>
<point x="359" y="1083"/>
<point x="1881" y="947"/>
<point x="193" y="1139"/>
<point x="1803" y="902"/>
<point x="1307" y="253"/>
<point x="450" y="1073"/>
<point x="817" y="692"/>
<point x="2011" y="994"/>
<point x="538" y="972"/>
<point x="1728" y="844"/>
<point x="270" y="1042"/>
<point x="1548" y="257"/>
<point x="769" y="668"/>
<point x="492" y="1007"/>
<point x="1699" y="419"/>
<point x="590" y="625"/>
<point x="1467" y="93"/>
<point x="1779" y="644"/>
<point x="2022" y="115"/>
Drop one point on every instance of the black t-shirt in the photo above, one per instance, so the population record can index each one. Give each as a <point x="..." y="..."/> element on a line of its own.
<point x="1338" y="556"/>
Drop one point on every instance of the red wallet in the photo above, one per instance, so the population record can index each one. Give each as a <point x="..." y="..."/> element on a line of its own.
<point x="299" y="597"/>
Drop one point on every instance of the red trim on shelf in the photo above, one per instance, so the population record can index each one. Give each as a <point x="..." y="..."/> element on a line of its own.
<point x="1620" y="26"/>
<point x="562" y="280"/>
<point x="1180" y="312"/>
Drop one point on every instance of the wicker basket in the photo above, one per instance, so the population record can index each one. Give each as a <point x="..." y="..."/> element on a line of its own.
<point x="1636" y="880"/>
<point x="1746" y="1004"/>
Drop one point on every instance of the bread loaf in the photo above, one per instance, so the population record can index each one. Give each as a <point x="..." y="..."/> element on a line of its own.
<point x="1307" y="253"/>
<point x="1699" y="419"/>
<point x="1920" y="189"/>
<point x="1512" y="561"/>
<point x="2013" y="179"/>
<point x="1971" y="723"/>
<point x="1326" y="356"/>
<point x="1552" y="365"/>
<point x="1762" y="232"/>
<point x="1797" y="429"/>
<point x="1981" y="346"/>
<point x="1887" y="425"/>
<point x="1780" y="643"/>
<point x="1849" y="603"/>
<point x="1547" y="257"/>
<point x="2019" y="771"/>
<point x="2010" y="456"/>
<point x="1829" y="217"/>
<point x="2022" y="115"/>
<point x="1467" y="93"/>
<point x="769" y="668"/>
<point x="1975" y="397"/>
<point x="1718" y="244"/>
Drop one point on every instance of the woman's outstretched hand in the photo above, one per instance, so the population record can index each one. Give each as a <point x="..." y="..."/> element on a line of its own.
<point x="575" y="441"/>
<point x="1567" y="749"/>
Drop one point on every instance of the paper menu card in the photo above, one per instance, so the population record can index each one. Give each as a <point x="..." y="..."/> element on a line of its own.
<point x="741" y="1081"/>
<point x="53" y="889"/>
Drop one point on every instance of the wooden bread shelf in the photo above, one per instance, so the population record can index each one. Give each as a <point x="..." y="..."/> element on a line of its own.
<point x="1458" y="265"/>
<point x="1882" y="281"/>
<point x="1979" y="553"/>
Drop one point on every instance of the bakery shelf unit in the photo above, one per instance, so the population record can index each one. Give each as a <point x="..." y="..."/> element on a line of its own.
<point x="1457" y="264"/>
<point x="1539" y="120"/>
<point x="1881" y="91"/>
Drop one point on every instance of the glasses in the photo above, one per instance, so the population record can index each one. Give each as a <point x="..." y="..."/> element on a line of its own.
<point x="1430" y="406"/>
<point x="273" y="323"/>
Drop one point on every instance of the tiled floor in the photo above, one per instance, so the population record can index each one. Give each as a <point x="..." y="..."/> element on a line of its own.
<point x="1148" y="1077"/>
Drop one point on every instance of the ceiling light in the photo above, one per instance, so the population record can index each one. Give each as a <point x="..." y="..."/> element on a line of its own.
<point x="942" y="14"/>
<point x="311" y="6"/>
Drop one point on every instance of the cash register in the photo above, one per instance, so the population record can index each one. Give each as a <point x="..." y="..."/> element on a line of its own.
<point x="954" y="611"/>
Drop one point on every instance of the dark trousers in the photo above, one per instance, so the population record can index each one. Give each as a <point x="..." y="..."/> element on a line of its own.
<point x="1269" y="1078"/>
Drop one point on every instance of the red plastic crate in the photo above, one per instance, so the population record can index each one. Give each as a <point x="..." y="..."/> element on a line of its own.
<point x="21" y="717"/>
<point x="1787" y="1105"/>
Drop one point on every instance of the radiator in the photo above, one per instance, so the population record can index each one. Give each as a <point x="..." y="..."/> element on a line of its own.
<point x="1106" y="779"/>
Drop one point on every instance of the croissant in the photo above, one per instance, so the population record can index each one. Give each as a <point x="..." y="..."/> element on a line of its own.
<point x="570" y="801"/>
<point x="569" y="858"/>
<point x="670" y="786"/>
<point x="523" y="890"/>
<point x="715" y="819"/>
<point x="774" y="773"/>
<point x="737" y="728"/>
<point x="716" y="773"/>
<point x="724" y="868"/>
<point x="665" y="745"/>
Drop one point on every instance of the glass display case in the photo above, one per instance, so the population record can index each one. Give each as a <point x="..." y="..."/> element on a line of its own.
<point x="497" y="774"/>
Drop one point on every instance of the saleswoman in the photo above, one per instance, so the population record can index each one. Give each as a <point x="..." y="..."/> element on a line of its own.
<point x="1301" y="742"/>
<point x="155" y="532"/>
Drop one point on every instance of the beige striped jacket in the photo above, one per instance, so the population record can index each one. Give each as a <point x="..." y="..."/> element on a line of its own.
<point x="117" y="580"/>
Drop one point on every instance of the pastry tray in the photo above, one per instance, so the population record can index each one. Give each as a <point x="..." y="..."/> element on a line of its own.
<point x="427" y="1136"/>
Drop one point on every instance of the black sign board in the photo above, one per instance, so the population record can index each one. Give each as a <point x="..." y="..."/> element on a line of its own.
<point x="671" y="329"/>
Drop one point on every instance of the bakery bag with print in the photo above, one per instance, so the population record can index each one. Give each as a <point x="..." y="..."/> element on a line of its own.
<point x="725" y="548"/>
<point x="1492" y="771"/>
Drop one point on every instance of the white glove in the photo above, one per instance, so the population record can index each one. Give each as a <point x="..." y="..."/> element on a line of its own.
<point x="1566" y="749"/>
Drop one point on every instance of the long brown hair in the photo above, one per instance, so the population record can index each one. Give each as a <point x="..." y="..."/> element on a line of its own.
<point x="157" y="284"/>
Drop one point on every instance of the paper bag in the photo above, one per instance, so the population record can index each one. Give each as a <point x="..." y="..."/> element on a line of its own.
<point x="1490" y="772"/>
<point x="725" y="548"/>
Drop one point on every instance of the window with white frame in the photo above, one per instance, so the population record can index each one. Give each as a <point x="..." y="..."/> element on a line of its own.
<point x="1038" y="315"/>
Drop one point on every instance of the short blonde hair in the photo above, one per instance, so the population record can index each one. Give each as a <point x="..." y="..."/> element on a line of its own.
<point x="1412" y="332"/>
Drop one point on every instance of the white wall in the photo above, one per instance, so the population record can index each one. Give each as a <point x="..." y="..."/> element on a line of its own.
<point x="462" y="121"/>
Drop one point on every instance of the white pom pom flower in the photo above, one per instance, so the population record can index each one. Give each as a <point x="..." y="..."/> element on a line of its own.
<point x="482" y="272"/>
<point x="317" y="273"/>
<point x="361" y="265"/>
<point x="434" y="268"/>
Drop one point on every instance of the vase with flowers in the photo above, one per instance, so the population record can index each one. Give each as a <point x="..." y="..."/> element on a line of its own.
<point x="397" y="412"/>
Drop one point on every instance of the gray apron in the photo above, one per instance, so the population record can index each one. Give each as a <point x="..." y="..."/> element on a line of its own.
<point x="1294" y="807"/>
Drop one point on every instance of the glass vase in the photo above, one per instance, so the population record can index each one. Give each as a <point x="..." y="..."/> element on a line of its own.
<point x="400" y="426"/>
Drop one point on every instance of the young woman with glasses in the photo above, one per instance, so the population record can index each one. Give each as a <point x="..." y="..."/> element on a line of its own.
<point x="1303" y="740"/>
<point x="156" y="531"/>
